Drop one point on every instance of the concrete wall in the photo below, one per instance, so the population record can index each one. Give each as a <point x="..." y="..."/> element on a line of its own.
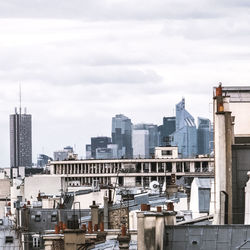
<point x="48" y="184"/>
<point x="4" y="193"/>
<point x="87" y="199"/>
<point x="242" y="120"/>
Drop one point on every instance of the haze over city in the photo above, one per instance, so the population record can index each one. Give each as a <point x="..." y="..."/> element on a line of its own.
<point x="80" y="63"/>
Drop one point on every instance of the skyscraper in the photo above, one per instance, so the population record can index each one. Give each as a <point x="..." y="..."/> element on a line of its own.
<point x="185" y="136"/>
<point x="140" y="142"/>
<point x="122" y="135"/>
<point x="99" y="142"/>
<point x="20" y="139"/>
<point x="204" y="136"/>
<point x="166" y="130"/>
<point x="144" y="140"/>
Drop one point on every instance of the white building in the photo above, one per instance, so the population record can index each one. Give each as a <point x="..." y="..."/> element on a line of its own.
<point x="200" y="197"/>
<point x="140" y="143"/>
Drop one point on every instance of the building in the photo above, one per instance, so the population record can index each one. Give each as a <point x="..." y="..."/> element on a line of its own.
<point x="131" y="172"/>
<point x="204" y="136"/>
<point x="42" y="160"/>
<point x="166" y="130"/>
<point x="20" y="139"/>
<point x="122" y="135"/>
<point x="64" y="154"/>
<point x="99" y="142"/>
<point x="140" y="143"/>
<point x="140" y="133"/>
<point x="232" y="151"/>
<point x="185" y="136"/>
<point x="88" y="151"/>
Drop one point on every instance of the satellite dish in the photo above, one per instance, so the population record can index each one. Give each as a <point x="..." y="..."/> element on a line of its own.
<point x="154" y="185"/>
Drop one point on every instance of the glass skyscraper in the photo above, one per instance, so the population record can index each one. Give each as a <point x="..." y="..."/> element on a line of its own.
<point x="166" y="130"/>
<point x="204" y="136"/>
<point x="185" y="136"/>
<point x="20" y="140"/>
<point x="122" y="135"/>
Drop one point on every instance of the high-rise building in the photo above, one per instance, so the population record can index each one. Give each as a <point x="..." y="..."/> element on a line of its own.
<point x="204" y="136"/>
<point x="42" y="160"/>
<point x="165" y="130"/>
<point x="65" y="154"/>
<point x="20" y="139"/>
<point x="99" y="142"/>
<point x="140" y="142"/>
<point x="185" y="136"/>
<point x="145" y="138"/>
<point x="122" y="135"/>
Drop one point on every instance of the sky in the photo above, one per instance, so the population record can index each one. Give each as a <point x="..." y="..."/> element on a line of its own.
<point x="81" y="62"/>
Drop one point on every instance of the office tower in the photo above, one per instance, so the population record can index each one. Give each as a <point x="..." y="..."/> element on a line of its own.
<point x="42" y="160"/>
<point x="204" y="136"/>
<point x="145" y="138"/>
<point x="65" y="154"/>
<point x="122" y="135"/>
<point x="166" y="130"/>
<point x="20" y="139"/>
<point x="140" y="143"/>
<point x="99" y="142"/>
<point x="88" y="151"/>
<point x="185" y="136"/>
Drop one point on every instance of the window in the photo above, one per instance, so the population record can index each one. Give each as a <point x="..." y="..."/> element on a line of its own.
<point x="36" y="242"/>
<point x="166" y="152"/>
<point x="8" y="239"/>
<point x="53" y="218"/>
<point x="37" y="217"/>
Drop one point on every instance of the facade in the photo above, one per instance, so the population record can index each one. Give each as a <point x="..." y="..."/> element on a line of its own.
<point x="232" y="150"/>
<point x="20" y="139"/>
<point x="140" y="143"/>
<point x="185" y="136"/>
<point x="130" y="172"/>
<point x="204" y="136"/>
<point x="153" y="138"/>
<point x="88" y="151"/>
<point x="42" y="160"/>
<point x="104" y="153"/>
<point x="122" y="135"/>
<point x="166" y="130"/>
<point x="64" y="154"/>
<point x="99" y="142"/>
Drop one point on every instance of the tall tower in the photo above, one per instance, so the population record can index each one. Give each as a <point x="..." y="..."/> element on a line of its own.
<point x="20" y="139"/>
<point x="122" y="135"/>
<point x="185" y="136"/>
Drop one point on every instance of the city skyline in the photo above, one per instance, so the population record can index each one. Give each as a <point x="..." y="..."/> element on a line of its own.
<point x="82" y="62"/>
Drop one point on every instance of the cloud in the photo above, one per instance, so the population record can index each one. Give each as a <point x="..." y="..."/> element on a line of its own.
<point x="108" y="9"/>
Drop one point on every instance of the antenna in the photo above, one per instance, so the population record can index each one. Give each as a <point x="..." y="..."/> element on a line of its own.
<point x="20" y="98"/>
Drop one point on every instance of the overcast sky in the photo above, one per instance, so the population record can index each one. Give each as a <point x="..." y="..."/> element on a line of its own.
<point x="80" y="62"/>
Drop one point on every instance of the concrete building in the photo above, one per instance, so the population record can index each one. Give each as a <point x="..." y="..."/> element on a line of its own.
<point x="122" y="135"/>
<point x="185" y="136"/>
<point x="20" y="139"/>
<point x="166" y="152"/>
<point x="130" y="172"/>
<point x="200" y="197"/>
<point x="232" y="150"/>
